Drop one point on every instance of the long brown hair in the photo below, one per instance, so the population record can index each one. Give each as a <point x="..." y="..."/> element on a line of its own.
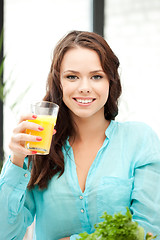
<point x="45" y="167"/>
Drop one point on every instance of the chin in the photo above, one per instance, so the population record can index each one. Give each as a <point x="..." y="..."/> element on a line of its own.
<point x="84" y="115"/>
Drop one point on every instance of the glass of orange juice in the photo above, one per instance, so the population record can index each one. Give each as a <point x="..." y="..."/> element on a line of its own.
<point x="46" y="117"/>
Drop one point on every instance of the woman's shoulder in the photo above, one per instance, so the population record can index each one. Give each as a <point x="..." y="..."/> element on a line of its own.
<point x="137" y="131"/>
<point x="134" y="126"/>
<point x="139" y="136"/>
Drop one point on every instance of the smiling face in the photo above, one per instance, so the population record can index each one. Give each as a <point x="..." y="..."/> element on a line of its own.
<point x="85" y="86"/>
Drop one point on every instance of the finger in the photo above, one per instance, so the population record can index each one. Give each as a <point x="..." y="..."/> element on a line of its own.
<point x="27" y="125"/>
<point x="20" y="150"/>
<point x="18" y="142"/>
<point x="22" y="137"/>
<point x="150" y="234"/>
<point x="27" y="117"/>
<point x="54" y="131"/>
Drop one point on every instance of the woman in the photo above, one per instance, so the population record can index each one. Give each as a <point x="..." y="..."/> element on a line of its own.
<point x="95" y="163"/>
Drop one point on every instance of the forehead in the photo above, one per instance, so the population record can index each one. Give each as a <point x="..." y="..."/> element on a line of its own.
<point x="80" y="57"/>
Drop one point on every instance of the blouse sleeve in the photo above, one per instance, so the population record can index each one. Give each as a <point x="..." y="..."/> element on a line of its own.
<point x="145" y="204"/>
<point x="17" y="207"/>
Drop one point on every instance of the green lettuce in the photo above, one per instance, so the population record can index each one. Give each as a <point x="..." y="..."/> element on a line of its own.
<point x="117" y="227"/>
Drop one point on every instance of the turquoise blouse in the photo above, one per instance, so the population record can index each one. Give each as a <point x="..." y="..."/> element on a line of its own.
<point x="125" y="172"/>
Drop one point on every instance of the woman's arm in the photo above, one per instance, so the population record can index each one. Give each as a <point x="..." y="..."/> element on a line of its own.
<point x="17" y="207"/>
<point x="145" y="198"/>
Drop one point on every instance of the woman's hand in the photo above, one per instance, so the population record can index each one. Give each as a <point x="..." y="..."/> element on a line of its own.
<point x="19" y="137"/>
<point x="149" y="236"/>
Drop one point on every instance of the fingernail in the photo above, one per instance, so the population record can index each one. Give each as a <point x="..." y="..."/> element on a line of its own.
<point x="54" y="131"/>
<point x="34" y="152"/>
<point x="40" y="128"/>
<point x="38" y="138"/>
<point x="34" y="116"/>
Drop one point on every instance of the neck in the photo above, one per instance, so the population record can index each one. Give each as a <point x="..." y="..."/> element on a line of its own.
<point x="89" y="129"/>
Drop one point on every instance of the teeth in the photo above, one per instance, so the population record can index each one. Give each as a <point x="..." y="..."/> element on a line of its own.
<point x="84" y="101"/>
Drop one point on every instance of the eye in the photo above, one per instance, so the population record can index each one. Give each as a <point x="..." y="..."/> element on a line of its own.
<point x="72" y="77"/>
<point x="96" y="77"/>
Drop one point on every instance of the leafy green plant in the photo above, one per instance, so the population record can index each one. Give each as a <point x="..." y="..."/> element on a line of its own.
<point x="116" y="227"/>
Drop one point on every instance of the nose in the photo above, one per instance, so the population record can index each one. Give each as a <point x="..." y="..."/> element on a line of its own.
<point x="85" y="86"/>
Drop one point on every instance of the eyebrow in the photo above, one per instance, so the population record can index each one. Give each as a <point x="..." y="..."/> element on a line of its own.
<point x="70" y="71"/>
<point x="100" y="70"/>
<point x="73" y="71"/>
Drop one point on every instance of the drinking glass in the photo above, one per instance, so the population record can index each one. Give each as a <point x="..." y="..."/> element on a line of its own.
<point x="46" y="117"/>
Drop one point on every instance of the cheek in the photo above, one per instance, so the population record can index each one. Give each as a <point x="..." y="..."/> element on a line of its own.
<point x="67" y="92"/>
<point x="106" y="94"/>
<point x="104" y="91"/>
<point x="68" y="89"/>
<point x="107" y="89"/>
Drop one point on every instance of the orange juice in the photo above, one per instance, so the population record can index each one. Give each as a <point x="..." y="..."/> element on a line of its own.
<point x="47" y="122"/>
